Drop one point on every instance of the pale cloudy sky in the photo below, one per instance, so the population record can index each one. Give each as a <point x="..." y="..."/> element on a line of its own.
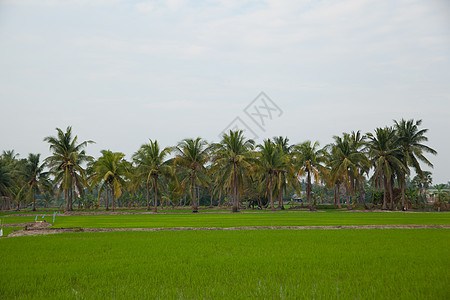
<point x="121" y="72"/>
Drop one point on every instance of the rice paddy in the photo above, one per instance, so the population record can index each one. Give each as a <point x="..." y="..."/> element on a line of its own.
<point x="280" y="264"/>
<point x="240" y="219"/>
<point x="363" y="264"/>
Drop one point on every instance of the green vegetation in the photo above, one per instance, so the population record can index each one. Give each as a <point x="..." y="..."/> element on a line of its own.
<point x="356" y="169"/>
<point x="241" y="220"/>
<point x="363" y="264"/>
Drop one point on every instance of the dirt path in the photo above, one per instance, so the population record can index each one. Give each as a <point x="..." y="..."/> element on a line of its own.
<point x="48" y="230"/>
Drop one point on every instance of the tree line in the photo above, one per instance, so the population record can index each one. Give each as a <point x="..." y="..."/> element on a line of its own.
<point x="236" y="168"/>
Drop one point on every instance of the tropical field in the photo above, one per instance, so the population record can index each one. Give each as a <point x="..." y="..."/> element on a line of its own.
<point x="227" y="220"/>
<point x="369" y="171"/>
<point x="260" y="263"/>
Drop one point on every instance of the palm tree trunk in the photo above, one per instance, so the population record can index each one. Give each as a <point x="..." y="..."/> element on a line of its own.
<point x="347" y="195"/>
<point x="194" y="195"/>
<point x="66" y="198"/>
<point x="308" y="190"/>
<point x="362" y="193"/>
<point x="280" y="196"/>
<point x="113" y="198"/>
<point x="271" y="193"/>
<point x="107" y="198"/>
<point x="155" y="207"/>
<point x="235" y="191"/>
<point x="391" y="193"/>
<point x="71" y="197"/>
<point x="336" y="194"/>
<point x="385" y="188"/>
<point x="339" y="196"/>
<point x="352" y="193"/>
<point x="34" y="201"/>
<point x="148" y="197"/>
<point x="403" y="183"/>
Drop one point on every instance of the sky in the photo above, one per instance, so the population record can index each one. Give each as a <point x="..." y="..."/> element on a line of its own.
<point x="121" y="72"/>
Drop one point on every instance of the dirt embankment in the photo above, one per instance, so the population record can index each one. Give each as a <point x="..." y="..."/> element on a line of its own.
<point x="41" y="229"/>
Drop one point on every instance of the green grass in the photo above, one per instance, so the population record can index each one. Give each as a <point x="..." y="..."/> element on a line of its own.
<point x="8" y="230"/>
<point x="323" y="264"/>
<point x="242" y="219"/>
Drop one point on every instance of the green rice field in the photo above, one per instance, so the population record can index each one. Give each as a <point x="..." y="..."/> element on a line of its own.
<point x="280" y="264"/>
<point x="240" y="219"/>
<point x="242" y="264"/>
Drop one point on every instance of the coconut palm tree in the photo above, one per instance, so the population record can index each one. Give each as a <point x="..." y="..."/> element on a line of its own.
<point x="288" y="170"/>
<point x="410" y="139"/>
<point x="423" y="182"/>
<point x="110" y="171"/>
<point x="345" y="161"/>
<point x="309" y="160"/>
<point x="66" y="161"/>
<point x="385" y="156"/>
<point x="151" y="163"/>
<point x="232" y="159"/>
<point x="36" y="178"/>
<point x="6" y="182"/>
<point x="271" y="161"/>
<point x="191" y="157"/>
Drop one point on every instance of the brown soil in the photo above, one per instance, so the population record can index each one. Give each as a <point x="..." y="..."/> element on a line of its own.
<point x="35" y="230"/>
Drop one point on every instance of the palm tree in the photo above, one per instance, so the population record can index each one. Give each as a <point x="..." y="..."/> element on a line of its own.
<point x="423" y="182"/>
<point x="110" y="171"/>
<point x="192" y="155"/>
<point x="410" y="139"/>
<point x="287" y="171"/>
<point x="6" y="182"/>
<point x="309" y="159"/>
<point x="151" y="164"/>
<point x="37" y="179"/>
<point x="385" y="155"/>
<point x="232" y="159"/>
<point x="359" y="146"/>
<point x="65" y="162"/>
<point x="346" y="160"/>
<point x="271" y="161"/>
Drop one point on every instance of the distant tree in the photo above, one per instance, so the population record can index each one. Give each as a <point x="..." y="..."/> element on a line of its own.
<point x="191" y="158"/>
<point x="410" y="140"/>
<point x="385" y="155"/>
<point x="110" y="170"/>
<point x="287" y="173"/>
<point x="309" y="160"/>
<point x="6" y="182"/>
<point x="271" y="161"/>
<point x="232" y="159"/>
<point x="152" y="163"/>
<point x="66" y="161"/>
<point x="423" y="182"/>
<point x="38" y="180"/>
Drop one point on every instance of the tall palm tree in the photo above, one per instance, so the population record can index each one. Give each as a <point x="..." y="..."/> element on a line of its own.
<point x="191" y="157"/>
<point x="410" y="139"/>
<point x="6" y="182"/>
<point x="37" y="179"/>
<point x="288" y="170"/>
<point x="66" y="161"/>
<point x="347" y="157"/>
<point x="271" y="161"/>
<point x="385" y="155"/>
<point x="309" y="160"/>
<point x="232" y="159"/>
<point x="110" y="171"/>
<point x="359" y="146"/>
<point x="151" y="164"/>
